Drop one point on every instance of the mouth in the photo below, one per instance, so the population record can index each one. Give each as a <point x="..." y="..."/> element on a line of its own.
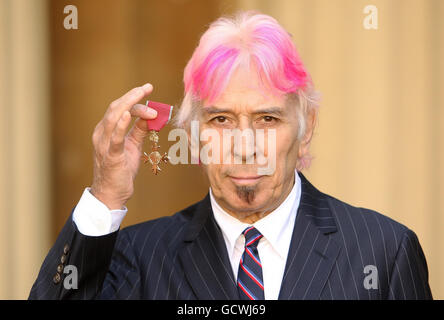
<point x="244" y="180"/>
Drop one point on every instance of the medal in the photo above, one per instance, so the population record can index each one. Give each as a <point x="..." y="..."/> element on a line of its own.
<point x="164" y="112"/>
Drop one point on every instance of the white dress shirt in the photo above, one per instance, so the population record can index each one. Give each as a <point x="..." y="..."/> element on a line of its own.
<point x="276" y="228"/>
<point x="93" y="218"/>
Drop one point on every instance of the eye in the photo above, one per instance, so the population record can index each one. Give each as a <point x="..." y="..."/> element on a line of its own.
<point x="268" y="119"/>
<point x="219" y="119"/>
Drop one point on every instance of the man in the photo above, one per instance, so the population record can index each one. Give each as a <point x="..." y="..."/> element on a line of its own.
<point x="255" y="235"/>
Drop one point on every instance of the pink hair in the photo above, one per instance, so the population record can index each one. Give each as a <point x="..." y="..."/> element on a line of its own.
<point x="249" y="40"/>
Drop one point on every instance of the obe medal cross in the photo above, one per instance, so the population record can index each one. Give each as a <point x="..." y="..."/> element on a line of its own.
<point x="164" y="112"/>
<point x="155" y="157"/>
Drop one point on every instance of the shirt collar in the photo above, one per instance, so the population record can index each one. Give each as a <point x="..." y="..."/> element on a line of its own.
<point x="273" y="226"/>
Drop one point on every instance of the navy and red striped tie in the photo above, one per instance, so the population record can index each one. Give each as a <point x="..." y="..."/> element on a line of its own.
<point x="249" y="277"/>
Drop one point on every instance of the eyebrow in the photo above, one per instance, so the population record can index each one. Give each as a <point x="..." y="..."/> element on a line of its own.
<point x="270" y="110"/>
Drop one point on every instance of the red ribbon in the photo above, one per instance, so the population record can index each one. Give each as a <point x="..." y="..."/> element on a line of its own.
<point x="164" y="112"/>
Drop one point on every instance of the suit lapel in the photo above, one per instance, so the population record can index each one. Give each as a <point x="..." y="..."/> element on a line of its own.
<point x="312" y="252"/>
<point x="204" y="257"/>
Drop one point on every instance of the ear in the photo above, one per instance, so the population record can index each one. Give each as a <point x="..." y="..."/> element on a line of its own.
<point x="304" y="144"/>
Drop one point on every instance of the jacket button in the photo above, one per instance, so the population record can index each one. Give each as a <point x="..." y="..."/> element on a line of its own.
<point x="66" y="249"/>
<point x="63" y="259"/>
<point x="60" y="268"/>
<point x="57" y="278"/>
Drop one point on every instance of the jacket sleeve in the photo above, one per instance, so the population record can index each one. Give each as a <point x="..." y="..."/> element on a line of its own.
<point x="409" y="276"/>
<point x="75" y="267"/>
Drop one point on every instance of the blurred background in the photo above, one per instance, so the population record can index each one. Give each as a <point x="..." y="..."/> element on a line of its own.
<point x="379" y="143"/>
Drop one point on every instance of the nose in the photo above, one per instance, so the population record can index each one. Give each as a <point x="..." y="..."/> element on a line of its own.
<point x="244" y="143"/>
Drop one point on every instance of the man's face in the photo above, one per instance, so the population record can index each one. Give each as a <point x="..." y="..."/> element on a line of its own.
<point x="238" y="188"/>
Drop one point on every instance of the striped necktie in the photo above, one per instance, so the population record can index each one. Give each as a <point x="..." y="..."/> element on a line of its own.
<point x="249" y="277"/>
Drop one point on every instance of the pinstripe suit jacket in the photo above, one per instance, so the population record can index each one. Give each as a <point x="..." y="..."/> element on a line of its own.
<point x="184" y="257"/>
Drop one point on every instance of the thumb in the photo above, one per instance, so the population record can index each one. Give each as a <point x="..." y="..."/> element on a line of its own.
<point x="139" y="131"/>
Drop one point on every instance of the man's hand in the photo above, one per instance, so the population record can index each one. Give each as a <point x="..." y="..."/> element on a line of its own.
<point x="117" y="154"/>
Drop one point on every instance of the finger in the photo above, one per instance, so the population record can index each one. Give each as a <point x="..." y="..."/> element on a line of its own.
<point x="117" y="142"/>
<point x="97" y="134"/>
<point x="124" y="103"/>
<point x="143" y="111"/>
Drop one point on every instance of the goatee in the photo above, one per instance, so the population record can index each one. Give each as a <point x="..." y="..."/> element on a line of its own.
<point x="246" y="193"/>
